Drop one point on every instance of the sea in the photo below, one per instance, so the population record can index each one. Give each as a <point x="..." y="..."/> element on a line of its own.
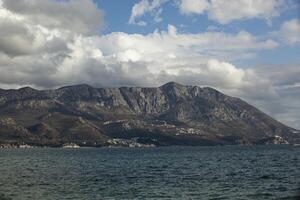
<point x="176" y="172"/>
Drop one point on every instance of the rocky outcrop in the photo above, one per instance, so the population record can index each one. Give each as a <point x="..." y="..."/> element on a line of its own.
<point x="172" y="114"/>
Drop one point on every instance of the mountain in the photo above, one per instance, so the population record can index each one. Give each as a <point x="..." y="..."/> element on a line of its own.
<point x="172" y="114"/>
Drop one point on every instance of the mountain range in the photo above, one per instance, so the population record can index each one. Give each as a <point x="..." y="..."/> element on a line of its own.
<point x="172" y="114"/>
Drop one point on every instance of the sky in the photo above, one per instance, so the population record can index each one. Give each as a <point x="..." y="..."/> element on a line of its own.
<point x="244" y="48"/>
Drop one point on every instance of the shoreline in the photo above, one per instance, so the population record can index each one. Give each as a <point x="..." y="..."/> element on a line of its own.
<point x="2" y="146"/>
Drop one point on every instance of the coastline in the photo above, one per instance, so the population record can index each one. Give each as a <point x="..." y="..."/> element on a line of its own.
<point x="8" y="146"/>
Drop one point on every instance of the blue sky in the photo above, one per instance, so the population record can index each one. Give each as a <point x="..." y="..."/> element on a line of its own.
<point x="117" y="14"/>
<point x="244" y="48"/>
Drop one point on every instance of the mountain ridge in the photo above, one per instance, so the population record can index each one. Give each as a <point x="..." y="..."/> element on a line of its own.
<point x="172" y="114"/>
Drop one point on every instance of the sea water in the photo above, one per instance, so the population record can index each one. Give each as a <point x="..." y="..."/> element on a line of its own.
<point x="217" y="172"/>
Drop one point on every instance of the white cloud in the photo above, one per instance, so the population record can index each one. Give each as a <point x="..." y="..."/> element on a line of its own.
<point x="20" y="38"/>
<point x="285" y="81"/>
<point x="290" y="32"/>
<point x="56" y="56"/>
<point x="226" y="11"/>
<point x="28" y="28"/>
<point x="44" y="49"/>
<point x="143" y="7"/>
<point x="57" y="14"/>
<point x="38" y="53"/>
<point x="221" y="11"/>
<point x="193" y="6"/>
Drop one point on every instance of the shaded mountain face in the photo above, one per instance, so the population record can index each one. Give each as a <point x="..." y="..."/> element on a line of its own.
<point x="172" y="114"/>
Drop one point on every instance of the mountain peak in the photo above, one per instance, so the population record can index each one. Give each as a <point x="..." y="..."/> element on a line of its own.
<point x="27" y="89"/>
<point x="77" y="86"/>
<point x="171" y="114"/>
<point x="172" y="84"/>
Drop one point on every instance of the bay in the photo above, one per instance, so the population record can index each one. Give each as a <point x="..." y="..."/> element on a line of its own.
<point x="177" y="172"/>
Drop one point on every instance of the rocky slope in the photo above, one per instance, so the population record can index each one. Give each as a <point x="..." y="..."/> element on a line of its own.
<point x="172" y="114"/>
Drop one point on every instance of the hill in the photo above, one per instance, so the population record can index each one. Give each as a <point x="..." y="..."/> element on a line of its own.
<point x="172" y="114"/>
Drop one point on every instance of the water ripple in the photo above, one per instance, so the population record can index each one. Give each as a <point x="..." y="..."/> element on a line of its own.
<point x="262" y="172"/>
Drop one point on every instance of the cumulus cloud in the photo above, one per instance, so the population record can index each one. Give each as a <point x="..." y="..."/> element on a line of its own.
<point x="221" y="11"/>
<point x="30" y="27"/>
<point x="58" y="14"/>
<point x="285" y="81"/>
<point x="290" y="32"/>
<point x="193" y="6"/>
<point x="43" y="49"/>
<point x="57" y="56"/>
<point x="143" y="7"/>
<point x="226" y="11"/>
<point x="53" y="52"/>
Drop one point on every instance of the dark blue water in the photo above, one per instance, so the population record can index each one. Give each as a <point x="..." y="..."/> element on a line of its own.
<point x="232" y="172"/>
